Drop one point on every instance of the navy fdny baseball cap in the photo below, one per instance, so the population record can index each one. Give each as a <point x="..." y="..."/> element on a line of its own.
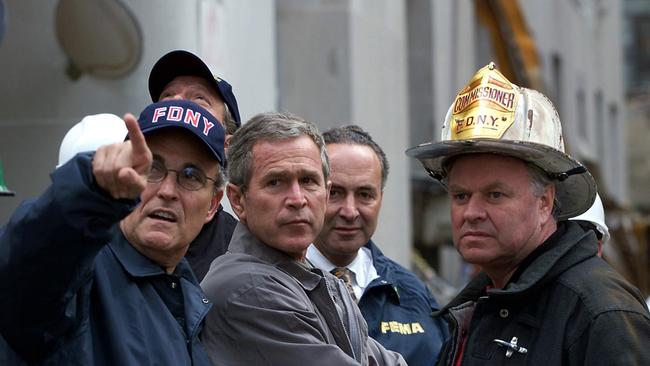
<point x="184" y="63"/>
<point x="189" y="116"/>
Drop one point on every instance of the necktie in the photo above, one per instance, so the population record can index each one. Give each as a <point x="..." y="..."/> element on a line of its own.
<point x="346" y="275"/>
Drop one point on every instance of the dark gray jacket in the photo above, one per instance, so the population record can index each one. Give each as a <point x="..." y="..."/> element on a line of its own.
<point x="567" y="307"/>
<point x="270" y="309"/>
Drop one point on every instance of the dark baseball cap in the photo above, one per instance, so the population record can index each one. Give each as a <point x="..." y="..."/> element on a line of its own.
<point x="184" y="63"/>
<point x="189" y="116"/>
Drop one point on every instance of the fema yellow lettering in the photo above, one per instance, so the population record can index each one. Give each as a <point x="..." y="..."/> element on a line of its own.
<point x="401" y="328"/>
<point x="417" y="328"/>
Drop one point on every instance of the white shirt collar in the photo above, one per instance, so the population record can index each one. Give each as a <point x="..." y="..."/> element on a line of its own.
<point x="362" y="267"/>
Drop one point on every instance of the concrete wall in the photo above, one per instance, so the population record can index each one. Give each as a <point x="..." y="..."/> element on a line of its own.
<point x="313" y="60"/>
<point x="587" y="39"/>
<point x="380" y="105"/>
<point x="40" y="103"/>
<point x="637" y="13"/>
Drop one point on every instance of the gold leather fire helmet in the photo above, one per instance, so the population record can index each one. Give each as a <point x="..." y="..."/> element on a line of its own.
<point x="492" y="115"/>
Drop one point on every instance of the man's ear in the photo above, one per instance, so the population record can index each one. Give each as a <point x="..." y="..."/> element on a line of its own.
<point x="547" y="199"/>
<point x="226" y="142"/>
<point x="328" y="188"/>
<point x="237" y="201"/>
<point x="214" y="204"/>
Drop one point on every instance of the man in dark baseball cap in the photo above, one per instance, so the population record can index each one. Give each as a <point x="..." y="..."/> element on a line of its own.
<point x="182" y="75"/>
<point x="189" y="116"/>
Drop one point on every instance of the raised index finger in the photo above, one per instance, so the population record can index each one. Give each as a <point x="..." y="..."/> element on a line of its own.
<point x="138" y="144"/>
<point x="140" y="153"/>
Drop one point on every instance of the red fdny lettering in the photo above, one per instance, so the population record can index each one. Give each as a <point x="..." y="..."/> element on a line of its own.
<point x="175" y="113"/>
<point x="179" y="114"/>
<point x="157" y="113"/>
<point x="192" y="118"/>
<point x="207" y="126"/>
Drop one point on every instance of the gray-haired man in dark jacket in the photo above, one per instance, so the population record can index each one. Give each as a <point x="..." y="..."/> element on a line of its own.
<point x="544" y="296"/>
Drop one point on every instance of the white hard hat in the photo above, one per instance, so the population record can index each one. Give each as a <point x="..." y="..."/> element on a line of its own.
<point x="492" y="115"/>
<point x="596" y="216"/>
<point x="90" y="133"/>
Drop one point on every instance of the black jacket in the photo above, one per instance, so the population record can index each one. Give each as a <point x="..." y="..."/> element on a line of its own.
<point x="566" y="307"/>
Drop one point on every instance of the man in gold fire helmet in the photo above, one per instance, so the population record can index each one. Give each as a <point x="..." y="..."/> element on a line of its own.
<point x="543" y="295"/>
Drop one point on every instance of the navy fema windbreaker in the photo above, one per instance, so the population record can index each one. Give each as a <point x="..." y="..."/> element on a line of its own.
<point x="68" y="297"/>
<point x="397" y="307"/>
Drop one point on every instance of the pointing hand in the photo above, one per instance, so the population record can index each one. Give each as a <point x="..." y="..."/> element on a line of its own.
<point x="121" y="169"/>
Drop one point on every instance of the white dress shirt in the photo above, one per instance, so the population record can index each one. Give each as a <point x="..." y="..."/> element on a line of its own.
<point x="361" y="267"/>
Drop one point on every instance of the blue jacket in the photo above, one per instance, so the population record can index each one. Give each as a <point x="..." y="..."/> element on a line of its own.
<point x="397" y="307"/>
<point x="73" y="291"/>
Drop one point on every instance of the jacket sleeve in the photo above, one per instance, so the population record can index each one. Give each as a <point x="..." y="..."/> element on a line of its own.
<point x="47" y="251"/>
<point x="615" y="337"/>
<point x="378" y="355"/>
<point x="260" y="321"/>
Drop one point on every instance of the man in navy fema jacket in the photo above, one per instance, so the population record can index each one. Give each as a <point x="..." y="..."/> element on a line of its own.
<point x="92" y="271"/>
<point x="396" y="305"/>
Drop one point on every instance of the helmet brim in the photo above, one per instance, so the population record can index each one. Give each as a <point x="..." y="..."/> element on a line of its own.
<point x="574" y="191"/>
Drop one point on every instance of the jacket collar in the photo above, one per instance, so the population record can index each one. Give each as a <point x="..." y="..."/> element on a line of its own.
<point x="137" y="265"/>
<point x="474" y="289"/>
<point x="243" y="241"/>
<point x="574" y="246"/>
<point x="387" y="277"/>
<point x="380" y="262"/>
<point x="195" y="305"/>
<point x="555" y="260"/>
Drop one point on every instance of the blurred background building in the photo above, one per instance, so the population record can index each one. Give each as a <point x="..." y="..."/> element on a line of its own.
<point x="391" y="66"/>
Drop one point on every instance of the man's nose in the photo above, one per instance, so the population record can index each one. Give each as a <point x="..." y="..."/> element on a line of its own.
<point x="348" y="208"/>
<point x="296" y="196"/>
<point x="168" y="188"/>
<point x="475" y="209"/>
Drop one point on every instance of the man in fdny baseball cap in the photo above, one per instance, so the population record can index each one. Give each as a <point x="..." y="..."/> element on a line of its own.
<point x="174" y="77"/>
<point x="190" y="116"/>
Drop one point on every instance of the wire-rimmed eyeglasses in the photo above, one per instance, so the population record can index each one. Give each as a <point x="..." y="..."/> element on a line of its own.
<point x="190" y="178"/>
